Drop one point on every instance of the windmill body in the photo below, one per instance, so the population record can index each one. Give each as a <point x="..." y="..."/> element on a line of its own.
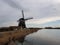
<point x="22" y="23"/>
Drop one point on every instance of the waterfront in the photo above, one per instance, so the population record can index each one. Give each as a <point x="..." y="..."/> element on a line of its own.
<point x="43" y="37"/>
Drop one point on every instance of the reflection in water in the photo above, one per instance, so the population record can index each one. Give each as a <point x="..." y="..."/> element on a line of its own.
<point x="43" y="37"/>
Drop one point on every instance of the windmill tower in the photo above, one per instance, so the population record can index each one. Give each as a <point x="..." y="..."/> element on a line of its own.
<point x="22" y="21"/>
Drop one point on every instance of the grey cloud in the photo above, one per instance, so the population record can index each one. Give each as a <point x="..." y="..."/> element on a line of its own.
<point x="37" y="8"/>
<point x="15" y="4"/>
<point x="41" y="9"/>
<point x="12" y="4"/>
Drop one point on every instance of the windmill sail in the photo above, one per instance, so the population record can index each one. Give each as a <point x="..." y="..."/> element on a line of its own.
<point x="22" y="14"/>
<point x="28" y="18"/>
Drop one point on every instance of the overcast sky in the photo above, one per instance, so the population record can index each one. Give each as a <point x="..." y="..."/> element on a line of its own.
<point x="43" y="11"/>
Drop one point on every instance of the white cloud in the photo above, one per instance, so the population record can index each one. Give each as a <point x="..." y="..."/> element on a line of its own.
<point x="7" y="24"/>
<point x="56" y="1"/>
<point x="43" y="20"/>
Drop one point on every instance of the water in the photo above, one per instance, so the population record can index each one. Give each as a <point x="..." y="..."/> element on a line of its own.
<point x="43" y="37"/>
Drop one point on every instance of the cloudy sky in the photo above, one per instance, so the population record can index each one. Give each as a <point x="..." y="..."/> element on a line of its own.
<point x="43" y="12"/>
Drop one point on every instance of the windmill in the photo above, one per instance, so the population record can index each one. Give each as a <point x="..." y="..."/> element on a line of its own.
<point x="22" y="21"/>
